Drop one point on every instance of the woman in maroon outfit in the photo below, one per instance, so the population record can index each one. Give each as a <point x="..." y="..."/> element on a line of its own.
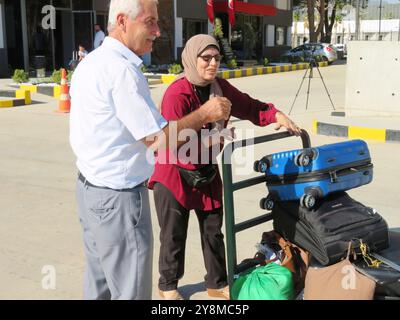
<point x="174" y="195"/>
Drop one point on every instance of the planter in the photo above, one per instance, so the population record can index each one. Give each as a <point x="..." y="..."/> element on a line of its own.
<point x="168" y="78"/>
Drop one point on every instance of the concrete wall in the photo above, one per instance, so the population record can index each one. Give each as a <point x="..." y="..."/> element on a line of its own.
<point x="373" y="78"/>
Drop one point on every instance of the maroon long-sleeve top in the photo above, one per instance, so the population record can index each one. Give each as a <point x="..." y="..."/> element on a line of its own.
<point x="179" y="100"/>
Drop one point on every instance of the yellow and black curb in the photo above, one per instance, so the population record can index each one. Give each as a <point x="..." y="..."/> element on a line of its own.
<point x="19" y="98"/>
<point x="52" y="91"/>
<point x="247" y="72"/>
<point x="356" y="132"/>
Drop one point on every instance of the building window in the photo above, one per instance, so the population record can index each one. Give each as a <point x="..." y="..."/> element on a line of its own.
<point x="82" y="5"/>
<point x="62" y="4"/>
<point x="270" y="35"/>
<point x="366" y="37"/>
<point x="282" y="4"/>
<point x="279" y="36"/>
<point x="193" y="27"/>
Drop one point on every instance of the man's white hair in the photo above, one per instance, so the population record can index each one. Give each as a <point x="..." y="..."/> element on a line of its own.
<point x="131" y="8"/>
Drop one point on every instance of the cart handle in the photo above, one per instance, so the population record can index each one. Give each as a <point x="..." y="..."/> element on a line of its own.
<point x="230" y="187"/>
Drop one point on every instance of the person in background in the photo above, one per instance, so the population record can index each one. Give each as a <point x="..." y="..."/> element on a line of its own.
<point x="82" y="53"/>
<point x="99" y="36"/>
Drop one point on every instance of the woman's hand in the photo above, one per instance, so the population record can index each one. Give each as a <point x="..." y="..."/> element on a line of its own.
<point x="215" y="109"/>
<point x="283" y="121"/>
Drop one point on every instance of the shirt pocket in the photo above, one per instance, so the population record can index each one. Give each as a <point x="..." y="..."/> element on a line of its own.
<point x="136" y="207"/>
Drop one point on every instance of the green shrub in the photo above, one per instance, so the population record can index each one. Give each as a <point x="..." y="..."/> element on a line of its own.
<point x="56" y="76"/>
<point x="318" y="58"/>
<point x="144" y="69"/>
<point x="232" y="64"/>
<point x="69" y="75"/>
<point x="20" y="76"/>
<point x="265" y="62"/>
<point x="218" y="33"/>
<point x="175" y="68"/>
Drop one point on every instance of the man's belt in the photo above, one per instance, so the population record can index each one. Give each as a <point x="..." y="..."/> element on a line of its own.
<point x="86" y="182"/>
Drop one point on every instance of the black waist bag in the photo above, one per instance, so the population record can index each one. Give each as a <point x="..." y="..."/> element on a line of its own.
<point x="200" y="177"/>
<point x="326" y="229"/>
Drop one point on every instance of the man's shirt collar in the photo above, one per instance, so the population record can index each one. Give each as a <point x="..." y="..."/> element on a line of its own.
<point x="123" y="50"/>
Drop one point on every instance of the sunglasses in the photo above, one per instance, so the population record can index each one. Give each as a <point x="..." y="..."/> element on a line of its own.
<point x="209" y="57"/>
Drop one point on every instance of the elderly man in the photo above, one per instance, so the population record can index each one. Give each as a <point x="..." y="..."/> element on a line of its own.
<point x="113" y="125"/>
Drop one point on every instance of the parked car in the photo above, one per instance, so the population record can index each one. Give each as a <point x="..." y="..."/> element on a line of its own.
<point x="341" y="50"/>
<point x="308" y="50"/>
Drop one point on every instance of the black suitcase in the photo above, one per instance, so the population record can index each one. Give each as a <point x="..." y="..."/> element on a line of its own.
<point x="387" y="276"/>
<point x="326" y="229"/>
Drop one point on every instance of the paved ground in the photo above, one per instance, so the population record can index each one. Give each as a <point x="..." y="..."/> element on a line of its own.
<point x="39" y="221"/>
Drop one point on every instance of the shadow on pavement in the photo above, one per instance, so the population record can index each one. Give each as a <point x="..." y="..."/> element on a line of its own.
<point x="190" y="289"/>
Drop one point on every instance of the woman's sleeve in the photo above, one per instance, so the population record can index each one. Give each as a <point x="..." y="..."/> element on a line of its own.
<point x="246" y="108"/>
<point x="174" y="106"/>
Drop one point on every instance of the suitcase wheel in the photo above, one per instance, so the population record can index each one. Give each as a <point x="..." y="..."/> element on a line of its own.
<point x="302" y="160"/>
<point x="260" y="166"/>
<point x="267" y="203"/>
<point x="307" y="200"/>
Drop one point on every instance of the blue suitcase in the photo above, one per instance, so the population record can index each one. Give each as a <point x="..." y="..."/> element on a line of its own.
<point x="312" y="173"/>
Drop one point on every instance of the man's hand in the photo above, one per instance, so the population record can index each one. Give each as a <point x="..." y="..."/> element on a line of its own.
<point x="283" y="121"/>
<point x="218" y="108"/>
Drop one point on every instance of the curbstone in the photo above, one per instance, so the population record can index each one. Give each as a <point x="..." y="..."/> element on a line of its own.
<point x="20" y="98"/>
<point x="356" y="132"/>
<point x="53" y="91"/>
<point x="248" y="72"/>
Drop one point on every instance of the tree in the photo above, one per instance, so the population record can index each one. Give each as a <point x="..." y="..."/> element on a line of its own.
<point x="311" y="20"/>
<point x="296" y="18"/>
<point x="324" y="13"/>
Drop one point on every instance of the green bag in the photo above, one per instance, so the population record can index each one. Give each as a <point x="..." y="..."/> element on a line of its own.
<point x="269" y="282"/>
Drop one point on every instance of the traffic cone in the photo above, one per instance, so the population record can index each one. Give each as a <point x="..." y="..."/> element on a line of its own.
<point x="64" y="104"/>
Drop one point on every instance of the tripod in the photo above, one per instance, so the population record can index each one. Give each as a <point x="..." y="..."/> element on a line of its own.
<point x="312" y="63"/>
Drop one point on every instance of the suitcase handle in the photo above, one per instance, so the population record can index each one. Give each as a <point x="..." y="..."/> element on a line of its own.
<point x="230" y="187"/>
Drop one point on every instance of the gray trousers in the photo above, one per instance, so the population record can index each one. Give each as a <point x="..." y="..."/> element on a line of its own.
<point x="118" y="242"/>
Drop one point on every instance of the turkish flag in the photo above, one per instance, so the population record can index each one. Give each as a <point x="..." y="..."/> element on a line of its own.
<point x="231" y="11"/>
<point x="210" y="10"/>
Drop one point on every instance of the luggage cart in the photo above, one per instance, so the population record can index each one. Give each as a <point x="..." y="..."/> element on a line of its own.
<point x="229" y="187"/>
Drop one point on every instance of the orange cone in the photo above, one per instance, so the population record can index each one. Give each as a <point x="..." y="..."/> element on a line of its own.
<point x="64" y="104"/>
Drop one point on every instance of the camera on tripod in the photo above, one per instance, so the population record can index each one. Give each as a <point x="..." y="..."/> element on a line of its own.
<point x="309" y="74"/>
<point x="311" y="59"/>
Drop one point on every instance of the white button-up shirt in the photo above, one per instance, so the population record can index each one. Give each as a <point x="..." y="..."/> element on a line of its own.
<point x="111" y="111"/>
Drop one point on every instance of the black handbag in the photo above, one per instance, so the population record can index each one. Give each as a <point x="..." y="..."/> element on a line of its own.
<point x="200" y="177"/>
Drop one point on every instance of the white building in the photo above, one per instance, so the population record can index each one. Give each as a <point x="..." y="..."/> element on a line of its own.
<point x="345" y="31"/>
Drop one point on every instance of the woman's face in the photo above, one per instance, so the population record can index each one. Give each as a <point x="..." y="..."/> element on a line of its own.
<point x="207" y="64"/>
